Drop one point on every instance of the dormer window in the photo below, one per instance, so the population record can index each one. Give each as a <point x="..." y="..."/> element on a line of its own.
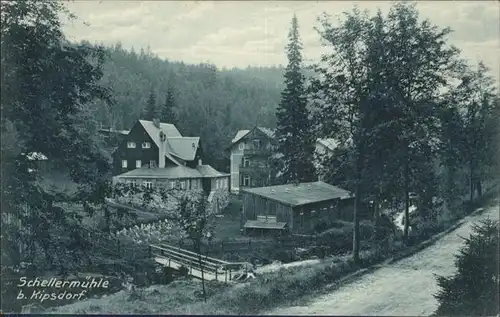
<point x="242" y="146"/>
<point x="131" y="145"/>
<point x="146" y="145"/>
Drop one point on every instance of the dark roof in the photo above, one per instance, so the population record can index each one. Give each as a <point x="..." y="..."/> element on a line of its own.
<point x="259" y="224"/>
<point x="176" y="172"/>
<point x="301" y="194"/>
<point x="242" y="133"/>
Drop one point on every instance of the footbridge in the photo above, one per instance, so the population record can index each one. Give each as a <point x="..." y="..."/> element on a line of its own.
<point x="212" y="268"/>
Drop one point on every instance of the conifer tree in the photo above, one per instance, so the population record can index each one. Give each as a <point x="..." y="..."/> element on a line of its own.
<point x="293" y="125"/>
<point x="151" y="106"/>
<point x="473" y="289"/>
<point x="167" y="110"/>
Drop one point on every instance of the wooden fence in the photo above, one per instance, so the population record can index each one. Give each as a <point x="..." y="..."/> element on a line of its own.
<point x="219" y="248"/>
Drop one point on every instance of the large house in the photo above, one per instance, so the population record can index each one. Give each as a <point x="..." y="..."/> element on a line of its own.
<point x="250" y="154"/>
<point x="294" y="208"/>
<point x="155" y="155"/>
<point x="250" y="151"/>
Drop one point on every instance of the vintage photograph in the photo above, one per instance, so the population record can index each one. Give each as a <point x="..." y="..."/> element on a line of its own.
<point x="250" y="157"/>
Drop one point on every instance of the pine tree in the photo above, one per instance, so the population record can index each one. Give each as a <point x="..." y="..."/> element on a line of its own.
<point x="167" y="110"/>
<point x="473" y="290"/>
<point x="151" y="111"/>
<point x="293" y="125"/>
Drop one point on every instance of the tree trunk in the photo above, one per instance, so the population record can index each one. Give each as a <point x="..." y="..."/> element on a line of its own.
<point x="407" y="200"/>
<point x="198" y="247"/>
<point x="355" y="237"/>
<point x="107" y="218"/>
<point x="471" y="181"/>
<point x="479" y="188"/>
<point x="357" y="201"/>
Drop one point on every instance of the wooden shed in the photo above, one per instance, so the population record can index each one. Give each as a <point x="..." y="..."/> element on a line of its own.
<point x="294" y="208"/>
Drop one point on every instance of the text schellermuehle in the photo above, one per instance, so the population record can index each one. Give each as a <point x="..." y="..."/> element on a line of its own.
<point x="40" y="287"/>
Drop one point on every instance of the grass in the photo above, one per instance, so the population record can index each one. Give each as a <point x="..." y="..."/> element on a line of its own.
<point x="156" y="299"/>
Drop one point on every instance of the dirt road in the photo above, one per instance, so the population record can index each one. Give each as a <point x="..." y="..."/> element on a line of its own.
<point x="403" y="288"/>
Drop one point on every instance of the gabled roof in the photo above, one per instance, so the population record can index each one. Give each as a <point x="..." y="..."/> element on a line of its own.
<point x="329" y="143"/>
<point x="301" y="194"/>
<point x="242" y="133"/>
<point x="208" y="171"/>
<point x="169" y="129"/>
<point x="175" y="144"/>
<point x="184" y="147"/>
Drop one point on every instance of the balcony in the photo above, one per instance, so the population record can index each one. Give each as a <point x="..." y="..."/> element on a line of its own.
<point x="259" y="152"/>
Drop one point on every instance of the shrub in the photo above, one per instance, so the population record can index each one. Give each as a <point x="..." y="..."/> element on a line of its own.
<point x="285" y="256"/>
<point x="473" y="290"/>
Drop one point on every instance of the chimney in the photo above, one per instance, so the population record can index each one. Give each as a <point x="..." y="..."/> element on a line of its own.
<point x="156" y="123"/>
<point x="161" y="150"/>
<point x="199" y="162"/>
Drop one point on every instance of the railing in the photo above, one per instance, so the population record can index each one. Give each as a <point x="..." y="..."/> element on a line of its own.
<point x="220" y="270"/>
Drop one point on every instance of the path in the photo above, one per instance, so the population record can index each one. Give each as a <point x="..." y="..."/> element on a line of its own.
<point x="403" y="288"/>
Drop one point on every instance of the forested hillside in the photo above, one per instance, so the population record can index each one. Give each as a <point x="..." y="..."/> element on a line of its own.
<point x="206" y="101"/>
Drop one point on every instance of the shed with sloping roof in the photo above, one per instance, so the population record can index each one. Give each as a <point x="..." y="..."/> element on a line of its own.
<point x="297" y="208"/>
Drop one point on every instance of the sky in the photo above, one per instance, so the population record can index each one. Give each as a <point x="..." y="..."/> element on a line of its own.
<point x="242" y="33"/>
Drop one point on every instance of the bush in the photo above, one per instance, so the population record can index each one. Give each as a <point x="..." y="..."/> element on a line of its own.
<point x="473" y="290"/>
<point x="285" y="256"/>
<point x="339" y="238"/>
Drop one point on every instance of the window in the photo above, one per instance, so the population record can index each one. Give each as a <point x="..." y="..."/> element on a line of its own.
<point x="124" y="163"/>
<point x="148" y="185"/>
<point x="146" y="145"/>
<point x="183" y="184"/>
<point x="246" y="162"/>
<point x="131" y="145"/>
<point x="138" y="164"/>
<point x="242" y="146"/>
<point x="172" y="185"/>
<point x="194" y="184"/>
<point x="256" y="144"/>
<point x="132" y="183"/>
<point x="225" y="182"/>
<point x="246" y="180"/>
<point x="152" y="163"/>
